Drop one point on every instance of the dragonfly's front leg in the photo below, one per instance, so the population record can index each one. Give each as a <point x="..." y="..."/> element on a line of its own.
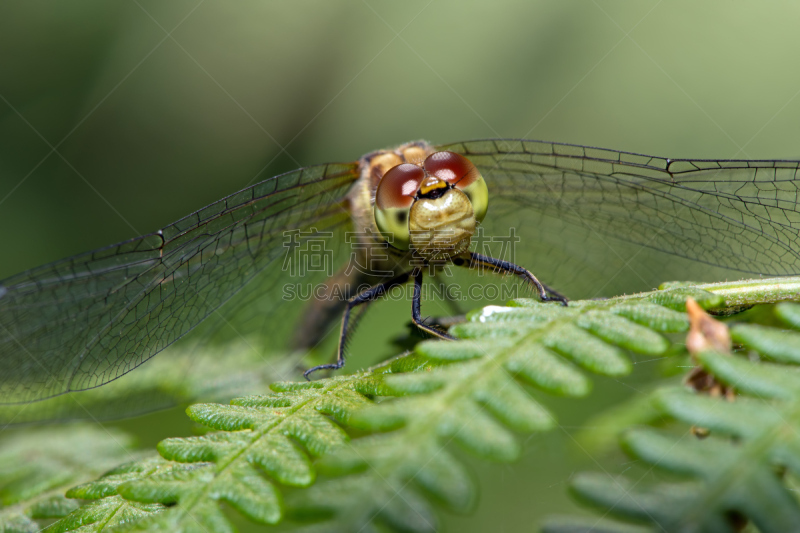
<point x="447" y="321"/>
<point x="477" y="261"/>
<point x="416" y="316"/>
<point x="369" y="295"/>
<point x="321" y="313"/>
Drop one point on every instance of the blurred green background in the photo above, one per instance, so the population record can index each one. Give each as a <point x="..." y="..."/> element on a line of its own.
<point x="117" y="118"/>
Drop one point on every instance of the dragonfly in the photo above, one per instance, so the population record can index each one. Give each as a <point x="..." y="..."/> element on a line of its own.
<point x="287" y="254"/>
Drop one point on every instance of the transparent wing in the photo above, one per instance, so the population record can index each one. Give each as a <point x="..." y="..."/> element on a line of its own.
<point x="587" y="221"/>
<point x="84" y="321"/>
<point x="594" y="222"/>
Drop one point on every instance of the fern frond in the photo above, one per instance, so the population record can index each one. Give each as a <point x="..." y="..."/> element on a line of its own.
<point x="107" y="510"/>
<point x="745" y="471"/>
<point x="401" y="418"/>
<point x="471" y="392"/>
<point x="277" y="435"/>
<point x="38" y="466"/>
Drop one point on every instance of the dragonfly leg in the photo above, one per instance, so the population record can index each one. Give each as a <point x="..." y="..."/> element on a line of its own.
<point x="473" y="260"/>
<point x="369" y="295"/>
<point x="321" y="313"/>
<point x="446" y="322"/>
<point x="416" y="316"/>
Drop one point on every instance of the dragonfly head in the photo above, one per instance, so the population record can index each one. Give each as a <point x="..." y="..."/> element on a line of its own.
<point x="433" y="207"/>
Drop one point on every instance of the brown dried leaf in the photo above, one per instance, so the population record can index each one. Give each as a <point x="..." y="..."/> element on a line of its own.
<point x="706" y="333"/>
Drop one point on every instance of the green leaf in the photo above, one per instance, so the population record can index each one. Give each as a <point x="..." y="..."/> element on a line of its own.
<point x="768" y="341"/>
<point x="266" y="441"/>
<point x="376" y="447"/>
<point x="743" y="470"/>
<point x="105" y="515"/>
<point x="473" y="393"/>
<point x="37" y="466"/>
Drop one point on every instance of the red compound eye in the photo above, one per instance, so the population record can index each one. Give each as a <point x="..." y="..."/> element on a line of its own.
<point x="398" y="186"/>
<point x="453" y="168"/>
